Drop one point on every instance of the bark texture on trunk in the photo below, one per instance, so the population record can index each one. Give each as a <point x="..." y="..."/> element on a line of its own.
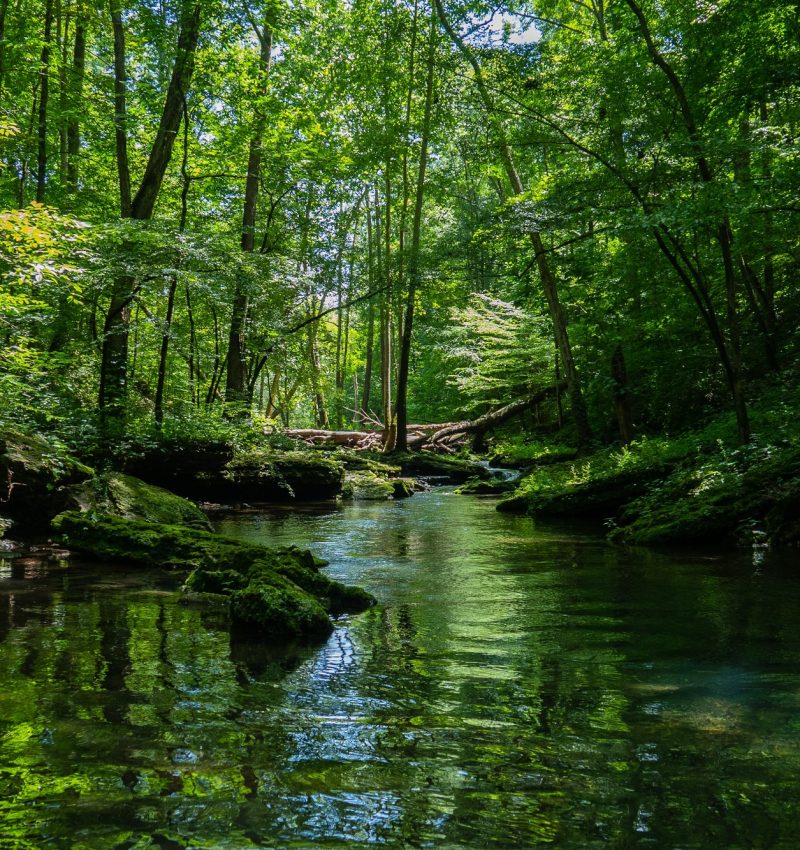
<point x="416" y="238"/>
<point x="236" y="383"/>
<point x="114" y="365"/>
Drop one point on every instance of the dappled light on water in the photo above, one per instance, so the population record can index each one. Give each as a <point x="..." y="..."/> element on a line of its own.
<point x="519" y="687"/>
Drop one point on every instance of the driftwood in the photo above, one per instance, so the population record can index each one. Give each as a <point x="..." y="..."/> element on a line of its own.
<point x="443" y="436"/>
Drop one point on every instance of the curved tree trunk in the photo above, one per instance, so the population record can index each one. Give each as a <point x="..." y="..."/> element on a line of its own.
<point x="549" y="284"/>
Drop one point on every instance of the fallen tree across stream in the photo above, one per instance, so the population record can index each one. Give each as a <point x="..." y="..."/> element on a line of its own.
<point x="442" y="436"/>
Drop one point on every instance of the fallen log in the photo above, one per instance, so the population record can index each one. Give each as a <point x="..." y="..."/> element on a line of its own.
<point x="437" y="436"/>
<point x="494" y="417"/>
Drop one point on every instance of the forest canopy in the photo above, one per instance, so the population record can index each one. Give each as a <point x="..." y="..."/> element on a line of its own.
<point x="354" y="215"/>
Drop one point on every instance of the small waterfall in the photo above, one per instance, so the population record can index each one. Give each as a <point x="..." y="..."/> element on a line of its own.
<point x="500" y="473"/>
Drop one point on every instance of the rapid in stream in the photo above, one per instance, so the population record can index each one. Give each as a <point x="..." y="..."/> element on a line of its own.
<point x="519" y="686"/>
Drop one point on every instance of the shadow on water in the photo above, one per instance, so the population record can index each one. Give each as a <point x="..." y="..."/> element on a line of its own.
<point x="521" y="686"/>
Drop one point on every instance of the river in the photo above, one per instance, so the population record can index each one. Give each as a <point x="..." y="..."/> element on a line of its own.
<point x="519" y="686"/>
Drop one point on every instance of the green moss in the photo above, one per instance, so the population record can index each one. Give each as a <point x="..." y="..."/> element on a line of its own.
<point x="274" y="591"/>
<point x="731" y="493"/>
<point x="128" y="497"/>
<point x="424" y="464"/>
<point x="41" y="455"/>
<point x="276" y="607"/>
<point x="596" y="485"/>
<point x="367" y="486"/>
<point x="475" y="486"/>
<point x="366" y="462"/>
<point x="36" y="473"/>
<point x="403" y="487"/>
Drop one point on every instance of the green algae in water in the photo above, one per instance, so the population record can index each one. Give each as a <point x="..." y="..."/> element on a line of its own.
<point x="521" y="687"/>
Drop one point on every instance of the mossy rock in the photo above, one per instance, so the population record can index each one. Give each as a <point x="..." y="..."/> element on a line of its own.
<point x="36" y="473"/>
<point x="277" y="607"/>
<point x="517" y="503"/>
<point x="358" y="461"/>
<point x="492" y="487"/>
<point x="130" y="498"/>
<point x="270" y="591"/>
<point x="403" y="487"/>
<point x="214" y="473"/>
<point x="367" y="486"/>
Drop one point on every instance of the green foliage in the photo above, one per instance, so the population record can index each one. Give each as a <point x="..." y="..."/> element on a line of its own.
<point x="606" y="159"/>
<point x="499" y="352"/>
<point x="699" y="486"/>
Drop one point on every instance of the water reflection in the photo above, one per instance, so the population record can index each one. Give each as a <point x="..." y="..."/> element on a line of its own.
<point x="519" y="688"/>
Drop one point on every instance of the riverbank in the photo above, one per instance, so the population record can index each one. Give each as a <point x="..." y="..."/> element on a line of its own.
<point x="126" y="515"/>
<point x="698" y="486"/>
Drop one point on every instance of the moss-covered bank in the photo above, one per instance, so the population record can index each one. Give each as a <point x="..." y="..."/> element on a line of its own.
<point x="270" y="592"/>
<point x="124" y="496"/>
<point x="694" y="488"/>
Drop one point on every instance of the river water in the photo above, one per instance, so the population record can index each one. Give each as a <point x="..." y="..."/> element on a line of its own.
<point x="520" y="686"/>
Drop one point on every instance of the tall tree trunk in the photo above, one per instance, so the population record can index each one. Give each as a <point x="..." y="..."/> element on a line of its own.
<point x="413" y="265"/>
<point x="113" y="374"/>
<point x="549" y="284"/>
<point x="236" y="377"/>
<point x="320" y="407"/>
<point x="77" y="75"/>
<point x="622" y="401"/>
<point x="365" y="398"/>
<point x="44" y="92"/>
<point x="158" y="407"/>
<point x="63" y="20"/>
<point x="121" y="110"/>
<point x="389" y="425"/>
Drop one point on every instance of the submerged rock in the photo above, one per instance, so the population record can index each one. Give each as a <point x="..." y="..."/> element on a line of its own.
<point x="130" y="498"/>
<point x="405" y="487"/>
<point x="269" y="592"/>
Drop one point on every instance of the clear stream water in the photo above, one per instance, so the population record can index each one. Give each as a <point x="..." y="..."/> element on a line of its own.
<point x="520" y="686"/>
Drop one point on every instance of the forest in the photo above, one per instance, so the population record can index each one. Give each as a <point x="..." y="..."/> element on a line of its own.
<point x="518" y="269"/>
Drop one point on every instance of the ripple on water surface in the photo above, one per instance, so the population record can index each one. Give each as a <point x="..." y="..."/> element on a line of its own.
<point x="518" y="687"/>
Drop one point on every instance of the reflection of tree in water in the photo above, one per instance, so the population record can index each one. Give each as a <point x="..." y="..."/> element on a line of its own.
<point x="517" y="690"/>
<point x="118" y="714"/>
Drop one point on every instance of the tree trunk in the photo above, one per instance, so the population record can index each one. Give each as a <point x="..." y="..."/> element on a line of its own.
<point x="413" y="266"/>
<point x="365" y="399"/>
<point x="173" y="287"/>
<point x="121" y="110"/>
<point x="548" y="280"/>
<point x="44" y="91"/>
<point x="389" y="424"/>
<point x="113" y="378"/>
<point x="320" y="408"/>
<point x="724" y="235"/>
<point x="75" y="100"/>
<point x="236" y="378"/>
<point x="622" y="401"/>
